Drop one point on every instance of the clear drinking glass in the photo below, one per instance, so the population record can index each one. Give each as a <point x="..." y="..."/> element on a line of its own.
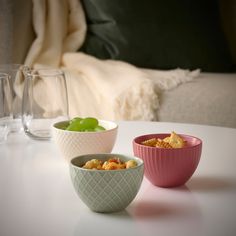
<point x="45" y="101"/>
<point x="16" y="78"/>
<point x="5" y="107"/>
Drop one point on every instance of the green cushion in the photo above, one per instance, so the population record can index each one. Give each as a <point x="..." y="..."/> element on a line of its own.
<point x="158" y="34"/>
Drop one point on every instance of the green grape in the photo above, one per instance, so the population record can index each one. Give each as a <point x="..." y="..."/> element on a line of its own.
<point x="89" y="130"/>
<point x="99" y="128"/>
<point x="76" y="119"/>
<point x="74" y="125"/>
<point x="88" y="123"/>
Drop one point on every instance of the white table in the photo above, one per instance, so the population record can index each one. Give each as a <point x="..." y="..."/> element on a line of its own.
<point x="37" y="196"/>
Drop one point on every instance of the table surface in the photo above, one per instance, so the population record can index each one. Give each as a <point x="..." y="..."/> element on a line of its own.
<point x="37" y="196"/>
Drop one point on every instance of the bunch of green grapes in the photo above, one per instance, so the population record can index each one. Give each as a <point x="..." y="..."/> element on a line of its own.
<point x="88" y="124"/>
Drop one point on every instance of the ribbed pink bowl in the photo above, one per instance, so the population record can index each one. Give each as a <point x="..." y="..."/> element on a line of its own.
<point x="168" y="167"/>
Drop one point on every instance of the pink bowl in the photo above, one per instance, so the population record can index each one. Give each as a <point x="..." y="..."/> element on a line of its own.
<point x="168" y="167"/>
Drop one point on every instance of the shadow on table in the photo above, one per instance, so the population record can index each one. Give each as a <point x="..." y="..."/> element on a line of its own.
<point x="158" y="208"/>
<point x="115" y="224"/>
<point x="210" y="184"/>
<point x="165" y="203"/>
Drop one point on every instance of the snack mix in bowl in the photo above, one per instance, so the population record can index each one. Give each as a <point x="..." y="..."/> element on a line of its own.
<point x="106" y="182"/>
<point x="170" y="159"/>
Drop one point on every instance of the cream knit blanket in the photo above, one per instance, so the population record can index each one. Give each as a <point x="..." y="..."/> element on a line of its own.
<point x="105" y="89"/>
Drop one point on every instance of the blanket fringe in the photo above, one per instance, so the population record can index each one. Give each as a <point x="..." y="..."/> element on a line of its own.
<point x="137" y="103"/>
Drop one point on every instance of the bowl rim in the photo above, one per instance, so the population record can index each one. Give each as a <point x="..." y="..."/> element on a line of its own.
<point x="85" y="132"/>
<point x="132" y="157"/>
<point x="199" y="143"/>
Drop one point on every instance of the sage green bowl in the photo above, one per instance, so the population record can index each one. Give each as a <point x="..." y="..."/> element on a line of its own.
<point x="106" y="190"/>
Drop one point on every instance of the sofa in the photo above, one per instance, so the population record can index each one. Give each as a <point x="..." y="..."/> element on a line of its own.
<point x="210" y="99"/>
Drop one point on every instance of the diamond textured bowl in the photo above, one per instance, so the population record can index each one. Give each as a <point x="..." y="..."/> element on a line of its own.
<point x="75" y="143"/>
<point x="106" y="190"/>
<point x="168" y="167"/>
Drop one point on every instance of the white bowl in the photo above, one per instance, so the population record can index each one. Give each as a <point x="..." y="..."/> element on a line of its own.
<point x="106" y="190"/>
<point x="75" y="143"/>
